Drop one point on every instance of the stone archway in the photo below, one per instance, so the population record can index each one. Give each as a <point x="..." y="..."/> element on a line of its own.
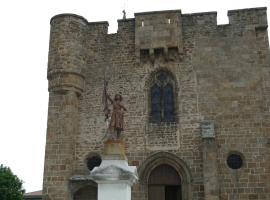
<point x="170" y="161"/>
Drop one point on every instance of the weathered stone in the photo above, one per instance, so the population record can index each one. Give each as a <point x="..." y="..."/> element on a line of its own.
<point x="221" y="75"/>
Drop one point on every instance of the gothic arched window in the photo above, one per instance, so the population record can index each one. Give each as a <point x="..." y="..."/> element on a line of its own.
<point x="162" y="98"/>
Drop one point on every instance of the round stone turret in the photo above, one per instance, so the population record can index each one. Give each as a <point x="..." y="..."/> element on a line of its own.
<point x="67" y="53"/>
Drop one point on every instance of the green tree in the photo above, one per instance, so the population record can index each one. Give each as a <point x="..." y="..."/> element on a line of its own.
<point x="10" y="185"/>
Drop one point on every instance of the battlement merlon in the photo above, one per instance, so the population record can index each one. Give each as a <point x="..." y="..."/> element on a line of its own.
<point x="249" y="16"/>
<point x="162" y="30"/>
<point x="157" y="31"/>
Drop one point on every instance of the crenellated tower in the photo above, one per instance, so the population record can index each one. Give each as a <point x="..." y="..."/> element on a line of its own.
<point x="197" y="96"/>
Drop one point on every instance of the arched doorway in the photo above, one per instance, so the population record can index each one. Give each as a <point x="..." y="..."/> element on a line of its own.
<point x="164" y="183"/>
<point x="176" y="175"/>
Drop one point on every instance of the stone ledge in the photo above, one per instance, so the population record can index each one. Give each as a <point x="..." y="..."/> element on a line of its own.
<point x="158" y="12"/>
<point x="114" y="170"/>
<point x="247" y="9"/>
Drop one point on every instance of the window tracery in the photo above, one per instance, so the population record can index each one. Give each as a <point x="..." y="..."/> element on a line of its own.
<point x="162" y="98"/>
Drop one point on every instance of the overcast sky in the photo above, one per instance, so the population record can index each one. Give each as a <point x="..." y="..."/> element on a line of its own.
<point x="24" y="42"/>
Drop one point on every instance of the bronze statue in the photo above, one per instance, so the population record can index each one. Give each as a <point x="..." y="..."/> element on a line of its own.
<point x="115" y="120"/>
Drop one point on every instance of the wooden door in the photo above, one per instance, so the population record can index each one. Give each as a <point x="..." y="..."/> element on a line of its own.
<point x="173" y="192"/>
<point x="156" y="192"/>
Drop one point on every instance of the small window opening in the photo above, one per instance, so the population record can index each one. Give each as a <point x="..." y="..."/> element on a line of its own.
<point x="173" y="49"/>
<point x="144" y="54"/>
<point x="234" y="161"/>
<point x="169" y="21"/>
<point x="142" y="23"/>
<point x="158" y="52"/>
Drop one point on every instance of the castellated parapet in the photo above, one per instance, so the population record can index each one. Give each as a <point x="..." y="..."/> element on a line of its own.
<point x="217" y="73"/>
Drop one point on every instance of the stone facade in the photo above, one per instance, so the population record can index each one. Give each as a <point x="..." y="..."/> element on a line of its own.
<point x="221" y="84"/>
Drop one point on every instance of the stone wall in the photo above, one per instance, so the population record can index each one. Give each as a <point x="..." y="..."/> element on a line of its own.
<point x="221" y="74"/>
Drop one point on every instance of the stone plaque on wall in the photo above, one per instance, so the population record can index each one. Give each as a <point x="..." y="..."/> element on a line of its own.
<point x="207" y="129"/>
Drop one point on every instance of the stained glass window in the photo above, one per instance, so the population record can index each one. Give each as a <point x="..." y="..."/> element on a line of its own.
<point x="156" y="103"/>
<point x="168" y="103"/>
<point x="162" y="99"/>
<point x="162" y="77"/>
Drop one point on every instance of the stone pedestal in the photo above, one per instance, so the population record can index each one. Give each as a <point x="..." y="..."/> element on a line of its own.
<point x="114" y="176"/>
